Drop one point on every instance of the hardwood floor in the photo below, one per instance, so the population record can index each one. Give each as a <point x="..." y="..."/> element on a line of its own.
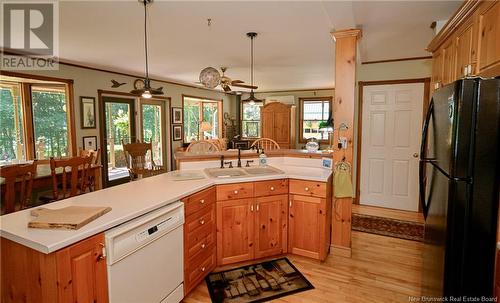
<point x="382" y="269"/>
<point x="388" y="213"/>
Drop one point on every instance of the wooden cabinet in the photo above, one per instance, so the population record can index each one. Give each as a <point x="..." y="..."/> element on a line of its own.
<point x="489" y="41"/>
<point x="278" y="123"/>
<point x="449" y="60"/>
<point x="252" y="227"/>
<point x="308" y="188"/>
<point x="307" y="233"/>
<point x="468" y="44"/>
<point x="73" y="274"/>
<point x="235" y="231"/>
<point x="199" y="237"/>
<point x="271" y="226"/>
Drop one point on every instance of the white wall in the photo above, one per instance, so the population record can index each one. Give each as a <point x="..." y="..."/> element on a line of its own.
<point x="88" y="81"/>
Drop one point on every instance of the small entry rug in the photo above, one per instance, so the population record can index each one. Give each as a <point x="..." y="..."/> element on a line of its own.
<point x="388" y="227"/>
<point x="257" y="283"/>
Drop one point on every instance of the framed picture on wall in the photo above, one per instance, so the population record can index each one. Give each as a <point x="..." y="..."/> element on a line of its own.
<point x="87" y="112"/>
<point x="177" y="132"/>
<point x="176" y="115"/>
<point x="90" y="142"/>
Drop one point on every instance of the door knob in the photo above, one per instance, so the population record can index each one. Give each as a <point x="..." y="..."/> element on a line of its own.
<point x="415" y="155"/>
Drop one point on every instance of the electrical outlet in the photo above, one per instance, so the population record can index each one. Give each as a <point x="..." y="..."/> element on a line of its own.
<point x="343" y="142"/>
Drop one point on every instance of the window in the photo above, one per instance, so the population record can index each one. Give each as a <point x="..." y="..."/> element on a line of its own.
<point x="313" y="111"/>
<point x="35" y="119"/>
<point x="250" y="122"/>
<point x="202" y="119"/>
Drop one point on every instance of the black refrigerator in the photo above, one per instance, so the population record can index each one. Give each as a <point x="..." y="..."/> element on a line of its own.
<point x="459" y="188"/>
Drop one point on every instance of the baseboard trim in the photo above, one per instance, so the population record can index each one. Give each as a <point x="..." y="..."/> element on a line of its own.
<point x="341" y="251"/>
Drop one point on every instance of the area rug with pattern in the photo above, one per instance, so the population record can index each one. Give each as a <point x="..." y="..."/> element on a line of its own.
<point x="388" y="227"/>
<point x="259" y="282"/>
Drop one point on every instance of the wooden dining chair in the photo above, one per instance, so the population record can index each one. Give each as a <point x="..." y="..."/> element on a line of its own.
<point x="73" y="180"/>
<point x="17" y="185"/>
<point x="139" y="164"/>
<point x="265" y="143"/>
<point x="91" y="181"/>
<point x="203" y="146"/>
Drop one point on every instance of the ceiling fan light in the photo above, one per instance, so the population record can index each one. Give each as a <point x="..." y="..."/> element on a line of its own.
<point x="147" y="94"/>
<point x="251" y="102"/>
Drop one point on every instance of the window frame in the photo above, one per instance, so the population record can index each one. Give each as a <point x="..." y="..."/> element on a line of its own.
<point x="26" y="82"/>
<point x="202" y="100"/>
<point x="301" y="114"/>
<point x="241" y="120"/>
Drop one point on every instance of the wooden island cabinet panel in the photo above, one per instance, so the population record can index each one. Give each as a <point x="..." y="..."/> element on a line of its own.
<point x="235" y="231"/>
<point x="271" y="225"/>
<point x="76" y="273"/>
<point x="308" y="226"/>
<point x="199" y="237"/>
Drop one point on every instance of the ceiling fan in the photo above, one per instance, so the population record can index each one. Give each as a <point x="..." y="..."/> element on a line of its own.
<point x="211" y="78"/>
<point x="143" y="87"/>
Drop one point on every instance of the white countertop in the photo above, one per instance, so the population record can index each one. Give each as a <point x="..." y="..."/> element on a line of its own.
<point x="128" y="201"/>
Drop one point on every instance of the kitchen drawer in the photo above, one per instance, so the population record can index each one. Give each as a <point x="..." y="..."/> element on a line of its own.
<point x="270" y="188"/>
<point x="200" y="220"/>
<point x="234" y="191"/>
<point x="195" y="273"/>
<point x="308" y="188"/>
<point x="199" y="200"/>
<point x="205" y="243"/>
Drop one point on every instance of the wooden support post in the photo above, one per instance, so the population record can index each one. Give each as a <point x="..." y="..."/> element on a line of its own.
<point x="343" y="114"/>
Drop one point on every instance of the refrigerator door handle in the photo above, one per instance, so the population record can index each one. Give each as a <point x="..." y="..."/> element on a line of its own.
<point x="424" y="160"/>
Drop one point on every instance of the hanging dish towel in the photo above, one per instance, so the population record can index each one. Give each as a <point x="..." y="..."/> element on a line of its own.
<point x="342" y="184"/>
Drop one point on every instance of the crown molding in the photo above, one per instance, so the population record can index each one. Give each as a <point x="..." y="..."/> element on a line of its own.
<point x="344" y="33"/>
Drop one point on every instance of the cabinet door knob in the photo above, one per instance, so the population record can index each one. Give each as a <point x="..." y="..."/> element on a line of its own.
<point x="235" y="192"/>
<point x="203" y="245"/>
<point x="203" y="269"/>
<point x="202" y="221"/>
<point x="202" y="201"/>
<point x="272" y="188"/>
<point x="306" y="189"/>
<point x="251" y="207"/>
<point x="257" y="207"/>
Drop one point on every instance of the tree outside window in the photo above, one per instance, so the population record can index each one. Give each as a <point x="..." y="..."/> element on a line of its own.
<point x="313" y="112"/>
<point x="250" y="123"/>
<point x="202" y="119"/>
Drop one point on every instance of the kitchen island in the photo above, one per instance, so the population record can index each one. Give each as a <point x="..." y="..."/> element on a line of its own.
<point x="130" y="201"/>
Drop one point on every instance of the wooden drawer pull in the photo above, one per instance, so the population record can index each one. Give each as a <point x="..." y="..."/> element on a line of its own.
<point x="306" y="189"/>
<point x="202" y="221"/>
<point x="203" y="269"/>
<point x="272" y="188"/>
<point x="203" y="245"/>
<point x="202" y="201"/>
<point x="235" y="192"/>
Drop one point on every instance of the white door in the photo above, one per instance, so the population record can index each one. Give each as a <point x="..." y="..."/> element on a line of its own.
<point x="390" y="143"/>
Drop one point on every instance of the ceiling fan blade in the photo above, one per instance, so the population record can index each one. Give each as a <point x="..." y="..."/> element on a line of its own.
<point x="237" y="81"/>
<point x="137" y="91"/>
<point x="245" y="86"/>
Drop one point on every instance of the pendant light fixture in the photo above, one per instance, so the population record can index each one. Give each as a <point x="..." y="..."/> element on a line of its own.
<point x="146" y="91"/>
<point x="251" y="99"/>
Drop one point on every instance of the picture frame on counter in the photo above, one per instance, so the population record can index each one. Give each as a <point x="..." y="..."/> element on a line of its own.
<point x="87" y="112"/>
<point x="176" y="115"/>
<point x="90" y="142"/>
<point x="176" y="132"/>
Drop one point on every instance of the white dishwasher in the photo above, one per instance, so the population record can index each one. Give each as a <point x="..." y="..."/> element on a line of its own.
<point x="145" y="257"/>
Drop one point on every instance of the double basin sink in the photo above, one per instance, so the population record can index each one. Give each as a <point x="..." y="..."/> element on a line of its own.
<point x="242" y="172"/>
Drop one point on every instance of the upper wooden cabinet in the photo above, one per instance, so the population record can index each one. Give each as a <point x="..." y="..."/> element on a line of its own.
<point x="76" y="273"/>
<point x="468" y="44"/>
<point x="489" y="38"/>
<point x="278" y="123"/>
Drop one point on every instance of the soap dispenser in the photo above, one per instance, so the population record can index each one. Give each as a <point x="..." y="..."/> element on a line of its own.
<point x="262" y="159"/>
